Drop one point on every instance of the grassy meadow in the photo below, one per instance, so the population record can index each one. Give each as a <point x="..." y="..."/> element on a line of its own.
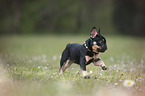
<point x="29" y="66"/>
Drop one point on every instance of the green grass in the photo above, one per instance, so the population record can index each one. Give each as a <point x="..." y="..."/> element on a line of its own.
<point x="29" y="66"/>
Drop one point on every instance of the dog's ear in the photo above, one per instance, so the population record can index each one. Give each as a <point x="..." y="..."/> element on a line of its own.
<point x="98" y="32"/>
<point x="94" y="32"/>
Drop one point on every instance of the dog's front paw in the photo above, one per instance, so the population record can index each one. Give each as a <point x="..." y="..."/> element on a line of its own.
<point x="85" y="74"/>
<point x="87" y="77"/>
<point x="104" y="67"/>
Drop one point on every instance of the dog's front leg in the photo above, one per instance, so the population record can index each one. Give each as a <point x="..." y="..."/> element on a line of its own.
<point x="83" y="67"/>
<point x="99" y="62"/>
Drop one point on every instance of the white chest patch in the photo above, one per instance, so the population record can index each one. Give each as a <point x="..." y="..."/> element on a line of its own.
<point x="94" y="57"/>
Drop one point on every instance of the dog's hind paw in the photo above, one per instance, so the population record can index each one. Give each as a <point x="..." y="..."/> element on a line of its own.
<point x="87" y="77"/>
<point x="104" y="67"/>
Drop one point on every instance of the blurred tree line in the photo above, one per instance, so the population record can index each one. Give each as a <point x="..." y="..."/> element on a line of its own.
<point x="72" y="16"/>
<point x="129" y="16"/>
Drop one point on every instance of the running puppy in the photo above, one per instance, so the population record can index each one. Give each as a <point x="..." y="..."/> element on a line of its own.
<point x="85" y="54"/>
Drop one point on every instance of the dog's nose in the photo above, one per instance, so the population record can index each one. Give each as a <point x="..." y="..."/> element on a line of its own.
<point x="105" y="48"/>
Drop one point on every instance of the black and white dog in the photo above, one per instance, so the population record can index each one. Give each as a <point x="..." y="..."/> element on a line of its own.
<point x="84" y="54"/>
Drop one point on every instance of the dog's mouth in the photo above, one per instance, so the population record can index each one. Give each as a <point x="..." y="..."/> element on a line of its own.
<point x="102" y="48"/>
<point x="97" y="48"/>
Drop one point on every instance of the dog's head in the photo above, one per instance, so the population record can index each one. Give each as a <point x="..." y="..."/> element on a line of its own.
<point x="98" y="42"/>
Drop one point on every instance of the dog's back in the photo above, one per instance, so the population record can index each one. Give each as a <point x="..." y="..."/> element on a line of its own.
<point x="72" y="52"/>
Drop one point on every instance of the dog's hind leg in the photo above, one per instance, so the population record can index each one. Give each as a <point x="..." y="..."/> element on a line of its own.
<point x="65" y="66"/>
<point x="65" y="62"/>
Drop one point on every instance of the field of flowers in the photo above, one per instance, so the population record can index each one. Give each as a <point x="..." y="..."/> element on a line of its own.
<point x="29" y="66"/>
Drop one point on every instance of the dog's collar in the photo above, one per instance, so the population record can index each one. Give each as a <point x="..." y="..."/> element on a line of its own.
<point x="85" y="45"/>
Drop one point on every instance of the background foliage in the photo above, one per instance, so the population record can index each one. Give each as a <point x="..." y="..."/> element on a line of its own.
<point x="72" y="16"/>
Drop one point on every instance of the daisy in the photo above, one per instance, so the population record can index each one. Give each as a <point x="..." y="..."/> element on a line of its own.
<point x="128" y="83"/>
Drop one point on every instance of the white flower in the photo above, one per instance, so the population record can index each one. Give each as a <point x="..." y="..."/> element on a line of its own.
<point x="115" y="83"/>
<point x="77" y="72"/>
<point x="128" y="83"/>
<point x="38" y="67"/>
<point x="91" y="71"/>
<point x="44" y="56"/>
<point x="39" y="58"/>
<point x="44" y="60"/>
<point x="139" y="89"/>
<point x="54" y="57"/>
<point x="141" y="61"/>
<point x="35" y="58"/>
<point x="131" y="70"/>
<point x="136" y="87"/>
<point x="54" y="73"/>
<point x="111" y="59"/>
<point x="30" y="61"/>
<point x="108" y="81"/>
<point x="115" y="66"/>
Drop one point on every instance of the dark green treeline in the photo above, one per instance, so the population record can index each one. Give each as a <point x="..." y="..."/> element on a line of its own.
<point x="72" y="16"/>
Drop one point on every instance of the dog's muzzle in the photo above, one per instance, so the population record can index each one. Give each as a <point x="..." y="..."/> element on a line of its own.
<point x="102" y="48"/>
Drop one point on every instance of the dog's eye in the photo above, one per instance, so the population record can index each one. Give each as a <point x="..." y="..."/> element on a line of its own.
<point x="94" y="43"/>
<point x="104" y="40"/>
